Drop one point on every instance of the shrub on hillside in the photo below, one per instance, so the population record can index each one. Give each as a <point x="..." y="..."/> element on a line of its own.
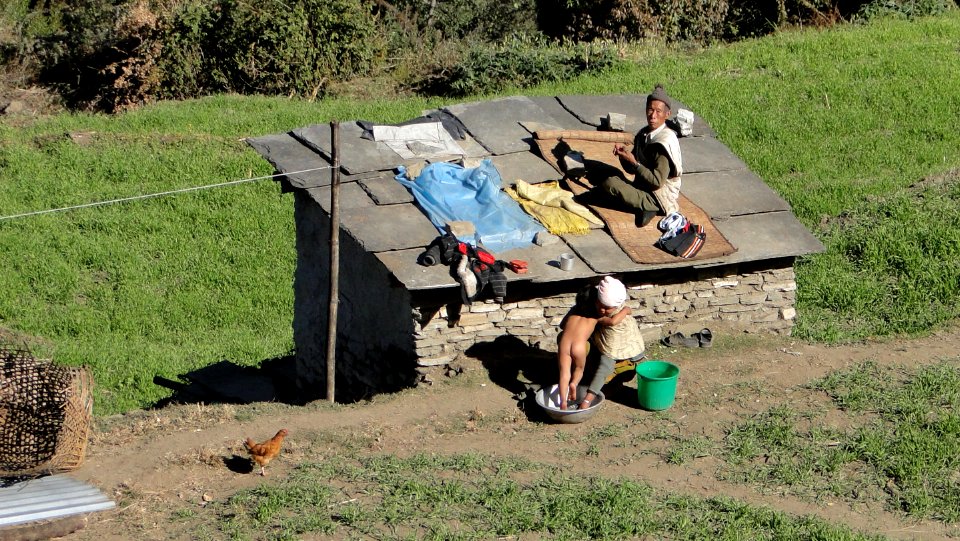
<point x="187" y="38"/>
<point x="902" y="8"/>
<point x="631" y="20"/>
<point x="21" y="28"/>
<point x="420" y="36"/>
<point x="112" y="54"/>
<point x="292" y="48"/>
<point x="698" y="21"/>
<point x="474" y="20"/>
<point x="518" y="62"/>
<point x="79" y="45"/>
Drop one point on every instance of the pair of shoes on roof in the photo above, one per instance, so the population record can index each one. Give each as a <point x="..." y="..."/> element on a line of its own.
<point x="702" y="339"/>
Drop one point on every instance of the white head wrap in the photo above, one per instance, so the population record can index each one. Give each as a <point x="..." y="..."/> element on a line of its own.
<point x="611" y="292"/>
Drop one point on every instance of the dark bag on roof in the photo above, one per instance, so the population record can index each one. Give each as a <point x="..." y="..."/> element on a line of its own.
<point x="686" y="243"/>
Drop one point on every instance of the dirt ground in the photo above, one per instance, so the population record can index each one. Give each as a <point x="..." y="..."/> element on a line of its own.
<point x="22" y="103"/>
<point x="187" y="455"/>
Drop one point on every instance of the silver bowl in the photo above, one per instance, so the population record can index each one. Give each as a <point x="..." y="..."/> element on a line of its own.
<point x="548" y="398"/>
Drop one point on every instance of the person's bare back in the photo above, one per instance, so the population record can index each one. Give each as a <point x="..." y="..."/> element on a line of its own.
<point x="572" y="350"/>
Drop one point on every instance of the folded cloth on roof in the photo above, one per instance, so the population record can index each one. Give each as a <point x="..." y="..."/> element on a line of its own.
<point x="450" y="123"/>
<point x="429" y="140"/>
<point x="448" y="192"/>
<point x="552" y="195"/>
<point x="553" y="207"/>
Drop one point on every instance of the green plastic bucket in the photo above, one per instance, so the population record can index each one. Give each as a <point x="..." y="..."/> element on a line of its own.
<point x="656" y="384"/>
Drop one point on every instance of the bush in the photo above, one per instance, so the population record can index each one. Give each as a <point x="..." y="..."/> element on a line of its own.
<point x="100" y="54"/>
<point x="292" y="48"/>
<point x="79" y="45"/>
<point x="187" y="33"/>
<point x="585" y="20"/>
<point x="698" y="21"/>
<point x="908" y="9"/>
<point x="632" y="20"/>
<point x="19" y="28"/>
<point x="518" y="62"/>
<point x="486" y="21"/>
<point x="132" y="77"/>
<point x="114" y="54"/>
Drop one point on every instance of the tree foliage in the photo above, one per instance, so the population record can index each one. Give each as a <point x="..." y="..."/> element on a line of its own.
<point x="115" y="54"/>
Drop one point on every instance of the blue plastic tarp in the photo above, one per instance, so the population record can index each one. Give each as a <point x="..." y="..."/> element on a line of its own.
<point x="448" y="192"/>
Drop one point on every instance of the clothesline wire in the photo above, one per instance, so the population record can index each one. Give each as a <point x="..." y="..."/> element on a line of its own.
<point x="159" y="194"/>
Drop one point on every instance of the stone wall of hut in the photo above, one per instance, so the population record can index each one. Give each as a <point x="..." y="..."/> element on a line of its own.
<point x="752" y="300"/>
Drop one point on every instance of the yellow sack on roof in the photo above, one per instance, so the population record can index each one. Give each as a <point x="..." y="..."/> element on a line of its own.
<point x="553" y="206"/>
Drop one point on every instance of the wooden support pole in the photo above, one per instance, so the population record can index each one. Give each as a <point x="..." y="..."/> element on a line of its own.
<point x="334" y="262"/>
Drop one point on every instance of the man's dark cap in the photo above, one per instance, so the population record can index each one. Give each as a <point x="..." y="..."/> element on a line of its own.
<point x="659" y="94"/>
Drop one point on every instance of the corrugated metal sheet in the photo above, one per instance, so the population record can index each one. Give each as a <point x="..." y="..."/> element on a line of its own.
<point x="50" y="497"/>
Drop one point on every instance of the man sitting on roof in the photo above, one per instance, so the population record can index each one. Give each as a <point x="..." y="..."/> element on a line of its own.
<point x="654" y="162"/>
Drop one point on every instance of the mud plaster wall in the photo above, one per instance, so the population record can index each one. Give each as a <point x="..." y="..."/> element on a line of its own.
<point x="749" y="299"/>
<point x="374" y="328"/>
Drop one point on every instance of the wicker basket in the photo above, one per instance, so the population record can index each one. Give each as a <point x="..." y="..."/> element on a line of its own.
<point x="45" y="413"/>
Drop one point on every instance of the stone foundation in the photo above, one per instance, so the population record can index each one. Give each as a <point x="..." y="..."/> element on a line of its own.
<point x="758" y="300"/>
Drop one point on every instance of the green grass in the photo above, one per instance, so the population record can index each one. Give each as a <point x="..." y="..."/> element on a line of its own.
<point x="900" y="446"/>
<point x="156" y="286"/>
<point x="843" y="123"/>
<point x="473" y="497"/>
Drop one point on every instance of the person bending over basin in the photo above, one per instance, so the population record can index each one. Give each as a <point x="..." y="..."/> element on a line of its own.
<point x="599" y="317"/>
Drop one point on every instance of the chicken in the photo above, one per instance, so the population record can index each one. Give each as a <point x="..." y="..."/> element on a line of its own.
<point x="262" y="453"/>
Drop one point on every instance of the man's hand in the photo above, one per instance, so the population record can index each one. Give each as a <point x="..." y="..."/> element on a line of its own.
<point x="614" y="319"/>
<point x="626" y="158"/>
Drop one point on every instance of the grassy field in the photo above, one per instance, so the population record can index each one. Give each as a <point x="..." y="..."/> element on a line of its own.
<point x="472" y="497"/>
<point x="161" y="285"/>
<point x="901" y="447"/>
<point x="854" y="126"/>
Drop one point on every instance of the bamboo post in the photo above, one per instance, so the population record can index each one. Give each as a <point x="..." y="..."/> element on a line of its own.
<point x="334" y="262"/>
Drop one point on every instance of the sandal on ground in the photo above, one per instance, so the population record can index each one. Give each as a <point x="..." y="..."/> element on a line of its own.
<point x="678" y="339"/>
<point x="704" y="338"/>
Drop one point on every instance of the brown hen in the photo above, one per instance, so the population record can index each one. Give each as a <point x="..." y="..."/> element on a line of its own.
<point x="262" y="453"/>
